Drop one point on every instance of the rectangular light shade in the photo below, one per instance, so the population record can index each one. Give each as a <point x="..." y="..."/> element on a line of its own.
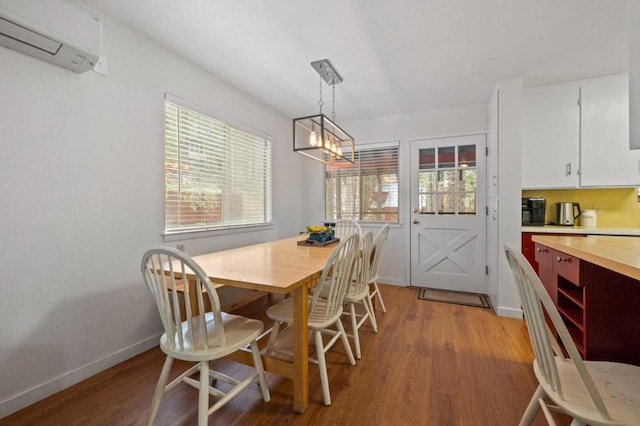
<point x="317" y="137"/>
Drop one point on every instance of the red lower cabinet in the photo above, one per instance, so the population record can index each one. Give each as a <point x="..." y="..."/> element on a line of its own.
<point x="598" y="306"/>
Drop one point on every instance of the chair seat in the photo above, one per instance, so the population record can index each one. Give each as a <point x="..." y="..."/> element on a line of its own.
<point x="618" y="384"/>
<point x="352" y="296"/>
<point x="283" y="312"/>
<point x="240" y="331"/>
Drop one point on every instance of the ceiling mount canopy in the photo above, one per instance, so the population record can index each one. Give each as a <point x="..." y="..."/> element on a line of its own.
<point x="324" y="68"/>
<point x="317" y="136"/>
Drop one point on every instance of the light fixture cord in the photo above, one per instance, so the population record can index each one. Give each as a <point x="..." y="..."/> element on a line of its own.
<point x="333" y="100"/>
<point x="320" y="102"/>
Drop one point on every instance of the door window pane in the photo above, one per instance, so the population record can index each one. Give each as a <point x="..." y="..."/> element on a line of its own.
<point x="467" y="156"/>
<point x="447" y="157"/>
<point x="427" y="159"/>
<point x="447" y="181"/>
<point x="467" y="203"/>
<point x="427" y="182"/>
<point x="427" y="203"/>
<point x="446" y="203"/>
<point x="467" y="180"/>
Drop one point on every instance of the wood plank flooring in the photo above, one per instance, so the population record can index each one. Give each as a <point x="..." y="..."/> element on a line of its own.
<point x="430" y="363"/>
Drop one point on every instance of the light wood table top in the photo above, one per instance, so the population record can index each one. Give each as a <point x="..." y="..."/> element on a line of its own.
<point x="276" y="266"/>
<point x="619" y="254"/>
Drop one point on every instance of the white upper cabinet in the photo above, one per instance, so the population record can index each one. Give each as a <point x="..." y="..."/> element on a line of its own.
<point x="550" y="137"/>
<point x="605" y="157"/>
<point x="577" y="135"/>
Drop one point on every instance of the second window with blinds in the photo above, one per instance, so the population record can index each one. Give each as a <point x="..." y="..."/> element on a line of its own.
<point x="366" y="191"/>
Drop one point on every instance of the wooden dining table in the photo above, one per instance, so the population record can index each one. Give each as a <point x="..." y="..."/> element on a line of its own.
<point x="280" y="267"/>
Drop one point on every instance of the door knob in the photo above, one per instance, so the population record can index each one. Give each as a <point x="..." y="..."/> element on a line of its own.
<point x="416" y="221"/>
<point x="416" y="210"/>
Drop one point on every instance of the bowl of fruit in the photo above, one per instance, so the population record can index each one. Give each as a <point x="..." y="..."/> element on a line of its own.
<point x="321" y="234"/>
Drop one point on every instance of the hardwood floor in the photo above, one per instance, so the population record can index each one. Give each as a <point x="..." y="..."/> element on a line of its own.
<point x="430" y="364"/>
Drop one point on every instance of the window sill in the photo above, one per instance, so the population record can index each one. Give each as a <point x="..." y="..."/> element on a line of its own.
<point x="206" y="233"/>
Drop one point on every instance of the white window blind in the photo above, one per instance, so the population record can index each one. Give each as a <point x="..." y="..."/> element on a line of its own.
<point x="366" y="191"/>
<point x="216" y="176"/>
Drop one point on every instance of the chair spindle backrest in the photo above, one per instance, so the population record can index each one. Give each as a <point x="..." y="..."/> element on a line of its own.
<point x="336" y="276"/>
<point x="535" y="302"/>
<point x="346" y="227"/>
<point x="166" y="272"/>
<point x="362" y="269"/>
<point x="378" y="244"/>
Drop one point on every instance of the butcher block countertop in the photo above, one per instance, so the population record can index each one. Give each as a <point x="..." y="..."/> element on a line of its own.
<point x="619" y="254"/>
<point x="601" y="230"/>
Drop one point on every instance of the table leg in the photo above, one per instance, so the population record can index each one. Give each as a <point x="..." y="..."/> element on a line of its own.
<point x="193" y="299"/>
<point x="300" y="349"/>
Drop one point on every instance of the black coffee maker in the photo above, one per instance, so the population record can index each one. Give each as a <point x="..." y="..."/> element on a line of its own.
<point x="533" y="211"/>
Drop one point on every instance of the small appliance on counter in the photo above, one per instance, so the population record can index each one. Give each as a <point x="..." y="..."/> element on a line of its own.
<point x="589" y="219"/>
<point x="567" y="213"/>
<point x="533" y="211"/>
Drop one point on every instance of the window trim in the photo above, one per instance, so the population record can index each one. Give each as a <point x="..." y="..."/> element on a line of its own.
<point x="177" y="235"/>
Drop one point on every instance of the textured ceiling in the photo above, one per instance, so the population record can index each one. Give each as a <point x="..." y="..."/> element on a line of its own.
<point x="396" y="57"/>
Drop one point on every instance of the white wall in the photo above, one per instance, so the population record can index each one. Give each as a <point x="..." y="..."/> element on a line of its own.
<point x="81" y="178"/>
<point x="634" y="74"/>
<point x="503" y="222"/>
<point x="395" y="261"/>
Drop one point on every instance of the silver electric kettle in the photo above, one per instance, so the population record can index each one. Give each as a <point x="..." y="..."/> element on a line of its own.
<point x="568" y="213"/>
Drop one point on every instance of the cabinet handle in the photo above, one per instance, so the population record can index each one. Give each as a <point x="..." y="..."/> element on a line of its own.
<point x="542" y="250"/>
<point x="568" y="169"/>
<point x="562" y="259"/>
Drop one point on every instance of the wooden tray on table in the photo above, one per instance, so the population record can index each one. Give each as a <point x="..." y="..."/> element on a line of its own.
<point x="317" y="243"/>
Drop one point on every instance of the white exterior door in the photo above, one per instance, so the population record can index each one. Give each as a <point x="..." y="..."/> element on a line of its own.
<point x="448" y="213"/>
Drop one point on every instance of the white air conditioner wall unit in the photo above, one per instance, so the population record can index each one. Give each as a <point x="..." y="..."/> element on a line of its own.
<point x="55" y="31"/>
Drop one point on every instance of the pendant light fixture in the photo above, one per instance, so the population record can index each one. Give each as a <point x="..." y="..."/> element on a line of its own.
<point x="317" y="136"/>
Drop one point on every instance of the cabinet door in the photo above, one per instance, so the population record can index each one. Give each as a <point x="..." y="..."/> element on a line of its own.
<point x="605" y="157"/>
<point x="550" y="137"/>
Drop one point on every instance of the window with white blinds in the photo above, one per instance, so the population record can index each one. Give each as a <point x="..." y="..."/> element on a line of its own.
<point x="216" y="176"/>
<point x="366" y="191"/>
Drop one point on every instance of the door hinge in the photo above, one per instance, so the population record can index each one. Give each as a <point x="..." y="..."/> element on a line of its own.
<point x="579" y="101"/>
<point x="486" y="151"/>
<point x="486" y="269"/>
<point x="487" y="210"/>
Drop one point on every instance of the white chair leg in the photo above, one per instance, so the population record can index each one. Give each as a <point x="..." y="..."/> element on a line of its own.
<point x="345" y="342"/>
<point x="550" y="420"/>
<point x="354" y="329"/>
<point x="257" y="361"/>
<point x="273" y="336"/>
<point x="533" y="407"/>
<point x="372" y="315"/>
<point x="162" y="383"/>
<point x="379" y="295"/>
<point x="322" y="365"/>
<point x="203" y="395"/>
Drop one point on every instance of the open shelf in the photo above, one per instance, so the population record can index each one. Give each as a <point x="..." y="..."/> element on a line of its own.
<point x="573" y="293"/>
<point x="573" y="314"/>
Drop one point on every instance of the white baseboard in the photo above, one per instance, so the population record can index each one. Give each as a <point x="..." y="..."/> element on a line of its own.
<point x="41" y="391"/>
<point x="393" y="281"/>
<point x="509" y="312"/>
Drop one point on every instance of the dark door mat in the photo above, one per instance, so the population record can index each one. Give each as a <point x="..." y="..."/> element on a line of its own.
<point x="456" y="297"/>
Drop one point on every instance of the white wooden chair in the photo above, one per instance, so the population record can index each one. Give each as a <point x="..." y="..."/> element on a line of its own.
<point x="358" y="292"/>
<point x="378" y="244"/>
<point x="198" y="339"/>
<point x="346" y="227"/>
<point x="324" y="312"/>
<point x="592" y="392"/>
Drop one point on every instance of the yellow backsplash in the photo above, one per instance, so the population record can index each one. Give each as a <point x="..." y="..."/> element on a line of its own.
<point x="615" y="207"/>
